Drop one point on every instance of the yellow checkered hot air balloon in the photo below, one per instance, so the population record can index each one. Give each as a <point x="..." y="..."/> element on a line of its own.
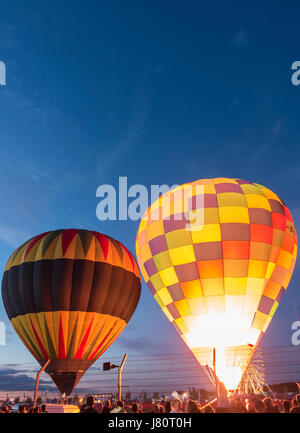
<point x="218" y="255"/>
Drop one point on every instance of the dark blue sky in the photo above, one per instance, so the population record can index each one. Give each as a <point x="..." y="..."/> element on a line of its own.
<point x="161" y="92"/>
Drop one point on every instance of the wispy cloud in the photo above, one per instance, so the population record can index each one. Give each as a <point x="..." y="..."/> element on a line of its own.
<point x="159" y="68"/>
<point x="115" y="151"/>
<point x="142" y="344"/>
<point x="12" y="236"/>
<point x="241" y="39"/>
<point x="41" y="107"/>
<point x="50" y="172"/>
<point x="278" y="127"/>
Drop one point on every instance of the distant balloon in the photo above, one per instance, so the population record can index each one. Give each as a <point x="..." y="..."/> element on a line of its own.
<point x="69" y="294"/>
<point x="218" y="279"/>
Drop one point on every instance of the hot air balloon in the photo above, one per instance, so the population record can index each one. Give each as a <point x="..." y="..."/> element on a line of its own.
<point x="218" y="255"/>
<point x="69" y="294"/>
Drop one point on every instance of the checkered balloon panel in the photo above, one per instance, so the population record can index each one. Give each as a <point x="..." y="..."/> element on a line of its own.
<point x="236" y="261"/>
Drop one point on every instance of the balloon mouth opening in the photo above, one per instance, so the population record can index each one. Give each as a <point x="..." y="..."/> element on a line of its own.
<point x="227" y="363"/>
<point x="223" y="344"/>
<point x="66" y="373"/>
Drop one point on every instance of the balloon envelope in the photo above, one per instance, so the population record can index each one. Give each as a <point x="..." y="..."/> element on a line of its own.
<point x="69" y="294"/>
<point x="218" y="254"/>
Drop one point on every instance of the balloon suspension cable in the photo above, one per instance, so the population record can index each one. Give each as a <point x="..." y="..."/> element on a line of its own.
<point x="209" y="372"/>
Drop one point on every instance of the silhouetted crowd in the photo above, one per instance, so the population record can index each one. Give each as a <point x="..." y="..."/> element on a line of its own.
<point x="24" y="409"/>
<point x="235" y="404"/>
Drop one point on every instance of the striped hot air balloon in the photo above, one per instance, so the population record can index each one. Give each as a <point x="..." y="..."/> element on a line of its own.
<point x="69" y="294"/>
<point x="217" y="255"/>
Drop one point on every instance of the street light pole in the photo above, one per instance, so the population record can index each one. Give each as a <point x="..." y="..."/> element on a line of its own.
<point x="108" y="366"/>
<point x="120" y="377"/>
<point x="37" y="381"/>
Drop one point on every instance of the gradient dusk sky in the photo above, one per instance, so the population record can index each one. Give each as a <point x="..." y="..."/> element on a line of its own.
<point x="162" y="92"/>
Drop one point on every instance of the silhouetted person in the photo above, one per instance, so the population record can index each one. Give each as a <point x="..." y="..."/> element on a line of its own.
<point x="268" y="405"/>
<point x="259" y="406"/>
<point x="155" y="408"/>
<point x="286" y="406"/>
<point x="191" y="407"/>
<point x="107" y="407"/>
<point x="161" y="409"/>
<point x="168" y="407"/>
<point x="5" y="409"/>
<point x="135" y="408"/>
<point x="119" y="408"/>
<point x="176" y="405"/>
<point x="90" y="405"/>
<point x="22" y="409"/>
<point x="295" y="409"/>
<point x="44" y="409"/>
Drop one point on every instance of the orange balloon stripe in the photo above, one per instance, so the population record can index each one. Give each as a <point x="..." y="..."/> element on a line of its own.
<point x="33" y="242"/>
<point x="113" y="338"/>
<point x="83" y="343"/>
<point x="102" y="342"/>
<point x="103" y="241"/>
<point x="18" y="331"/>
<point x="110" y="341"/>
<point x="41" y="346"/>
